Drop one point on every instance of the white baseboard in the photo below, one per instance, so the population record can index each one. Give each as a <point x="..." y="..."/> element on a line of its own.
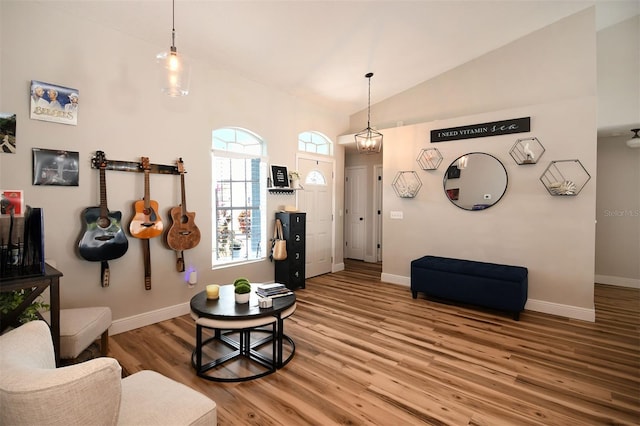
<point x="619" y="281"/>
<point x="148" y="318"/>
<point x="567" y="311"/>
<point x="395" y="279"/>
<point x="336" y="267"/>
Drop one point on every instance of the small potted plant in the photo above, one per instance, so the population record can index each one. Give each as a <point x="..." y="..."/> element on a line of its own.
<point x="242" y="290"/>
<point x="12" y="299"/>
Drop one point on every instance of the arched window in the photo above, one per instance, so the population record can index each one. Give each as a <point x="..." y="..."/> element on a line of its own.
<point x="314" y="177"/>
<point x="315" y="142"/>
<point x="239" y="202"/>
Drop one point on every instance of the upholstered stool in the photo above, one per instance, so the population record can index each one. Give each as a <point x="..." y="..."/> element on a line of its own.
<point x="281" y="336"/>
<point x="79" y="327"/>
<point x="243" y="347"/>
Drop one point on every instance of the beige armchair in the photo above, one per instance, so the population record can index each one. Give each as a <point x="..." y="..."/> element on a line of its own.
<point x="34" y="392"/>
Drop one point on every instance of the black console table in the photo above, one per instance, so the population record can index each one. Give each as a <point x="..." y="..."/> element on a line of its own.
<point x="38" y="283"/>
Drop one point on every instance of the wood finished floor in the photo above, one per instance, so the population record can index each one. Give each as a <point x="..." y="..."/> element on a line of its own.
<point x="369" y="354"/>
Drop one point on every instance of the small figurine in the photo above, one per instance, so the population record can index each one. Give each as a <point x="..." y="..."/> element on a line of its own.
<point x="529" y="154"/>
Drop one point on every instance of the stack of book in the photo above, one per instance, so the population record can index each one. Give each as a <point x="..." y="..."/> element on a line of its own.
<point x="272" y="290"/>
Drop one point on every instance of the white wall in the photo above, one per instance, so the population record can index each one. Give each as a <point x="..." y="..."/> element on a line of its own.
<point x="549" y="75"/>
<point x="552" y="236"/>
<point x="554" y="63"/>
<point x="123" y="113"/>
<point x="618" y="213"/>
<point x="619" y="75"/>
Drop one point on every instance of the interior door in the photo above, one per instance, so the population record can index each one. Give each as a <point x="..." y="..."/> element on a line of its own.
<point x="355" y="192"/>
<point x="316" y="199"/>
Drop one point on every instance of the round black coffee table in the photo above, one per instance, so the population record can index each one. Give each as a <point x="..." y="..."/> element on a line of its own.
<point x="233" y="325"/>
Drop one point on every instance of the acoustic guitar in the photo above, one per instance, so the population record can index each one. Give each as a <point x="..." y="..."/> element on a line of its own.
<point x="183" y="234"/>
<point x="146" y="223"/>
<point x="103" y="238"/>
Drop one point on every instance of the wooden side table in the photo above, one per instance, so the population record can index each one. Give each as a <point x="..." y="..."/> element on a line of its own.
<point x="38" y="283"/>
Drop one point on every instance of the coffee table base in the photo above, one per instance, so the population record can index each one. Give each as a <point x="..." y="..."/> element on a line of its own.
<point x="244" y="355"/>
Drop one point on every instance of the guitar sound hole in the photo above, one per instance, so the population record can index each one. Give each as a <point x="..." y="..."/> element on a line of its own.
<point x="184" y="219"/>
<point x="103" y="222"/>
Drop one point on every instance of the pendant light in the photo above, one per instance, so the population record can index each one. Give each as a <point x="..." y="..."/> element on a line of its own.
<point x="634" y="142"/>
<point x="369" y="141"/>
<point x="174" y="69"/>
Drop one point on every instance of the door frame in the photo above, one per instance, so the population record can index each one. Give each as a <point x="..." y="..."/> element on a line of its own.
<point x="377" y="214"/>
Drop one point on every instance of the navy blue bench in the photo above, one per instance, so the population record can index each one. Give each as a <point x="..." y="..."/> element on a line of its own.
<point x="490" y="285"/>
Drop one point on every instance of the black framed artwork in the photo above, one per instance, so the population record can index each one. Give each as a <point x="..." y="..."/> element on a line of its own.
<point x="453" y="172"/>
<point x="279" y="176"/>
<point x="55" y="167"/>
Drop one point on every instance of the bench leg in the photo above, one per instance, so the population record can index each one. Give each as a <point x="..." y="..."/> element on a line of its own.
<point x="414" y="294"/>
<point x="516" y="316"/>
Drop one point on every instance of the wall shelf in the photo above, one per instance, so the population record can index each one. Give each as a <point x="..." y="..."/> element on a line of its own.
<point x="429" y="159"/>
<point x="565" y="177"/>
<point x="527" y="151"/>
<point x="406" y="184"/>
<point x="283" y="190"/>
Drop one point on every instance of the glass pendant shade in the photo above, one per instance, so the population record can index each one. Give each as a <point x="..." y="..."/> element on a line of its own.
<point x="634" y="142"/>
<point x="174" y="69"/>
<point x="369" y="141"/>
<point x="175" y="73"/>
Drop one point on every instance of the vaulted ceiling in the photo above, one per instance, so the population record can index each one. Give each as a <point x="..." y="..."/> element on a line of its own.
<point x="321" y="50"/>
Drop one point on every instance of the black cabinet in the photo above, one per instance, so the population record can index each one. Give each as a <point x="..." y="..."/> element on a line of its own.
<point x="290" y="272"/>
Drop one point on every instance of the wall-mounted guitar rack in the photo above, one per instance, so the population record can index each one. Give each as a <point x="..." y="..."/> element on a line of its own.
<point x="135" y="166"/>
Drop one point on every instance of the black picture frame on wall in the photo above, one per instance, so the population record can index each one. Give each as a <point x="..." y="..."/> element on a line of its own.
<point x="279" y="176"/>
<point x="55" y="167"/>
<point x="453" y="172"/>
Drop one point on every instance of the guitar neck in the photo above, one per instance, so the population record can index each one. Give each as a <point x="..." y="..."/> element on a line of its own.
<point x="147" y="200"/>
<point x="103" y="193"/>
<point x="184" y="195"/>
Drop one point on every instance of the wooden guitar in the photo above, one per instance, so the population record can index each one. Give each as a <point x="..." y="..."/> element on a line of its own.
<point x="183" y="233"/>
<point x="146" y="223"/>
<point x="103" y="238"/>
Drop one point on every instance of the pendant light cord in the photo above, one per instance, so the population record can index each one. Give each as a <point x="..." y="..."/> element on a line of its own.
<point x="369" y="75"/>
<point x="173" y="25"/>
<point x="369" y="106"/>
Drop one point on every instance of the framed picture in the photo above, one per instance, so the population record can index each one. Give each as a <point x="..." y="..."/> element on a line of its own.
<point x="280" y="176"/>
<point x="11" y="201"/>
<point x="51" y="167"/>
<point x="57" y="104"/>
<point x="7" y="133"/>
<point x="453" y="172"/>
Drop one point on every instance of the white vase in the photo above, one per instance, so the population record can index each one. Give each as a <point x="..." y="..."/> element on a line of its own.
<point x="242" y="298"/>
<point x="295" y="183"/>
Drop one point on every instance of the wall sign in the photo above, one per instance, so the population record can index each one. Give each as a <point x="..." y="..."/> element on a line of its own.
<point x="280" y="176"/>
<point x="494" y="128"/>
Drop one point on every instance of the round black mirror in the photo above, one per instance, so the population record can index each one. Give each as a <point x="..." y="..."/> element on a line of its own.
<point x="475" y="181"/>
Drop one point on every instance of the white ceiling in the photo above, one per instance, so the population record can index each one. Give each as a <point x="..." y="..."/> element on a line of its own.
<point x="321" y="50"/>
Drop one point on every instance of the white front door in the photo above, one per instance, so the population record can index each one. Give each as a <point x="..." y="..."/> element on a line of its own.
<point x="355" y="193"/>
<point x="316" y="176"/>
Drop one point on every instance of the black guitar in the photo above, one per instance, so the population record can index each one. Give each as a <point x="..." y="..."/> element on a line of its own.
<point x="103" y="237"/>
